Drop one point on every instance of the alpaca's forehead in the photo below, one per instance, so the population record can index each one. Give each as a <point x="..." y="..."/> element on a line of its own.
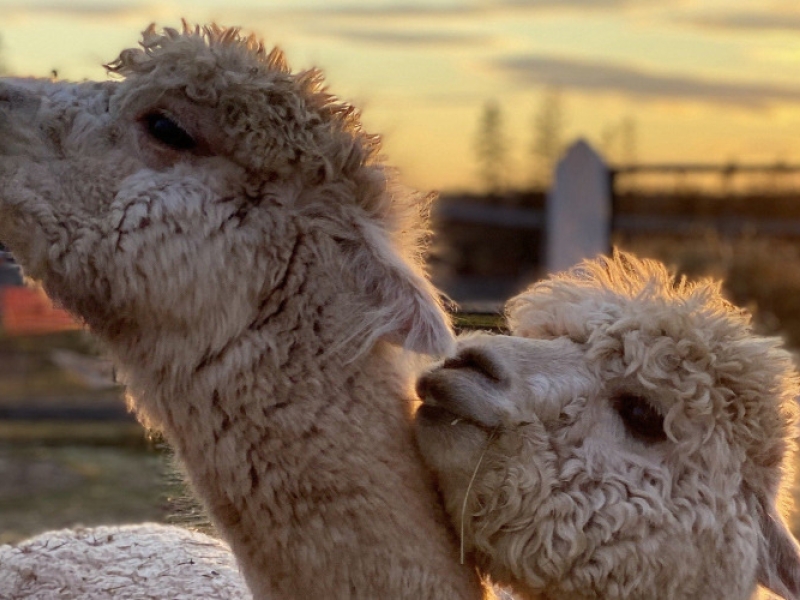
<point x="46" y="118"/>
<point x="694" y="356"/>
<point x="642" y="330"/>
<point x="596" y="302"/>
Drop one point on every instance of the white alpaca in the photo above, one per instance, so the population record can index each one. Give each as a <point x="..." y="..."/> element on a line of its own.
<point x="630" y="441"/>
<point x="224" y="227"/>
<point x="120" y="563"/>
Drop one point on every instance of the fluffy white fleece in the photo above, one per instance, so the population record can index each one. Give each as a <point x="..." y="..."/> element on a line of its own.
<point x="631" y="440"/>
<point x="123" y="562"/>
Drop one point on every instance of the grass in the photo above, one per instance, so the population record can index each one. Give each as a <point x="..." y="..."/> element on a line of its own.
<point x="467" y="321"/>
<point x="28" y="371"/>
<point x="63" y="473"/>
<point x="54" y="486"/>
<point x="65" y="433"/>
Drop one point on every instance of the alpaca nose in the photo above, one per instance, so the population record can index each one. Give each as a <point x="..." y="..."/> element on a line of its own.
<point x="469" y="361"/>
<point x="465" y="386"/>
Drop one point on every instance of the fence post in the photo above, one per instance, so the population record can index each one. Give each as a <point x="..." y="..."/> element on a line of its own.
<point x="578" y="213"/>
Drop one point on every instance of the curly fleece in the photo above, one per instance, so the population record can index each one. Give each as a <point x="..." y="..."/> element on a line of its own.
<point x="569" y="500"/>
<point x="124" y="562"/>
<point x="252" y="284"/>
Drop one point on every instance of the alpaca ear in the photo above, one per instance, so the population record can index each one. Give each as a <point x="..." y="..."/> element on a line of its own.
<point x="778" y="554"/>
<point x="405" y="308"/>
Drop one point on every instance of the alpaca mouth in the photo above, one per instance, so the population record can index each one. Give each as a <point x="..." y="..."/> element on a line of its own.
<point x="448" y="399"/>
<point x="438" y="405"/>
<point x="432" y="414"/>
<point x="436" y="414"/>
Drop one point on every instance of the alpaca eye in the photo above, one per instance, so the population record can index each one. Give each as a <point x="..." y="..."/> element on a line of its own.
<point x="640" y="418"/>
<point x="168" y="132"/>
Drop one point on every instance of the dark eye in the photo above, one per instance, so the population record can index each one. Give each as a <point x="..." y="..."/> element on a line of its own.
<point x="640" y="418"/>
<point x="168" y="132"/>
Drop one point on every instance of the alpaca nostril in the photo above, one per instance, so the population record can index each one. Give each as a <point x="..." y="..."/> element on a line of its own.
<point x="478" y="360"/>
<point x="433" y="391"/>
<point x="422" y="388"/>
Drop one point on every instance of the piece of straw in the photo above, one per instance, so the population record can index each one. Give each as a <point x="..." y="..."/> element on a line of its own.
<point x="469" y="489"/>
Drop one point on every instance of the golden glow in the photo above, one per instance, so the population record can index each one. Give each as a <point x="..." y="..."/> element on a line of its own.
<point x="711" y="81"/>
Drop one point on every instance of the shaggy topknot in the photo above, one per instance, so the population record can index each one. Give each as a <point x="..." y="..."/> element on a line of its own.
<point x="285" y="125"/>
<point x="619" y="305"/>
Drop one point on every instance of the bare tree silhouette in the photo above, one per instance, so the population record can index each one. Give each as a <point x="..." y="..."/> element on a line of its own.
<point x="629" y="140"/>
<point x="619" y="141"/>
<point x="3" y="70"/>
<point x="491" y="149"/>
<point x="548" y="138"/>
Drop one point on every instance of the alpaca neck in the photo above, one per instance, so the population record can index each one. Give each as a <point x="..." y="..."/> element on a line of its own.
<point x="307" y="464"/>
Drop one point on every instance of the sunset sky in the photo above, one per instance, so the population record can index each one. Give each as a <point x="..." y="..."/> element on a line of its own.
<point x="703" y="80"/>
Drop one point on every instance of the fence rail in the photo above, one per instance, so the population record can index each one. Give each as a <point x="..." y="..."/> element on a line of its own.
<point x="759" y="209"/>
<point x="494" y="246"/>
<point x="722" y="169"/>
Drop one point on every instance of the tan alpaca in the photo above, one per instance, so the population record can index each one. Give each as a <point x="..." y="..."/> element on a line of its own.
<point x="628" y="442"/>
<point x="225" y="227"/>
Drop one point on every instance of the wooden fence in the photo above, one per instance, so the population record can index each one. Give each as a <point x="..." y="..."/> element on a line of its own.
<point x="489" y="247"/>
<point x="671" y="199"/>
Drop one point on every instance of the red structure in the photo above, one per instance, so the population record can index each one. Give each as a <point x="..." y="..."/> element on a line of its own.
<point x="28" y="311"/>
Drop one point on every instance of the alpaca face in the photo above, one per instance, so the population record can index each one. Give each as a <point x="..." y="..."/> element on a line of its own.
<point x="632" y="456"/>
<point x="125" y="225"/>
<point x="579" y="492"/>
<point x="139" y="204"/>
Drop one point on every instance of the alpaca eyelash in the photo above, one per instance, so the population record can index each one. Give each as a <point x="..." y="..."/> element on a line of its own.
<point x="165" y="130"/>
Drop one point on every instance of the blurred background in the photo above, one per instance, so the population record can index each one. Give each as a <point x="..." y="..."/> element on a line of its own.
<point x="552" y="129"/>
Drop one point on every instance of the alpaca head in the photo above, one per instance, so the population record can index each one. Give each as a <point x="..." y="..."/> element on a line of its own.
<point x="628" y="441"/>
<point x="204" y="187"/>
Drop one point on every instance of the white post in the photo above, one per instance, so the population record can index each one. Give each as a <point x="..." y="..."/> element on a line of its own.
<point x="578" y="215"/>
